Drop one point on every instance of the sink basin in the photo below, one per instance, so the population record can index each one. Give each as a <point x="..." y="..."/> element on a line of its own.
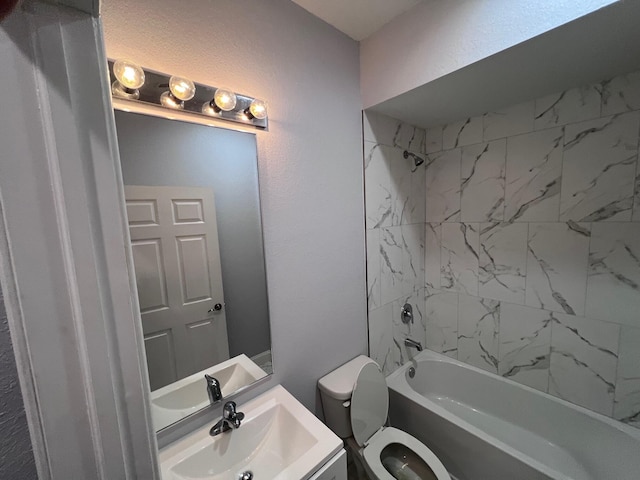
<point x="188" y="395"/>
<point x="278" y="439"/>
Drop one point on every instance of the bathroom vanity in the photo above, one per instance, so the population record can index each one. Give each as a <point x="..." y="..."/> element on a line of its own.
<point x="277" y="439"/>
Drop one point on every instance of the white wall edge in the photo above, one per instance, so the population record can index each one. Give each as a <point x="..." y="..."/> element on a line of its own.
<point x="63" y="265"/>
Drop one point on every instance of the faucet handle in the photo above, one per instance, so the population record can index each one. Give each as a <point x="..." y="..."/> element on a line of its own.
<point x="237" y="419"/>
<point x="229" y="410"/>
<point x="229" y="413"/>
<point x="406" y="313"/>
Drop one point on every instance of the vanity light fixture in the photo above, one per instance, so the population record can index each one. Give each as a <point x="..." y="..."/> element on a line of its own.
<point x="129" y="78"/>
<point x="257" y="109"/>
<point x="131" y="83"/>
<point x="224" y="100"/>
<point x="180" y="90"/>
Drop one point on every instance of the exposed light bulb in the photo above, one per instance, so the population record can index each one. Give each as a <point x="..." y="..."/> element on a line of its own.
<point x="128" y="74"/>
<point x="182" y="88"/>
<point x="225" y="99"/>
<point x="258" y="109"/>
<point x="129" y="78"/>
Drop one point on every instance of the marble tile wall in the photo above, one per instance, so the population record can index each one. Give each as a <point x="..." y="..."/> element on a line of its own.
<point x="529" y="239"/>
<point x="395" y="219"/>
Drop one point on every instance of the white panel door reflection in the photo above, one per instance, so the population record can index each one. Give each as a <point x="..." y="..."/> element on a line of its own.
<point x="176" y="255"/>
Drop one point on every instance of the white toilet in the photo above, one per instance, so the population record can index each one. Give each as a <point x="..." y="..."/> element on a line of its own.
<point x="355" y="400"/>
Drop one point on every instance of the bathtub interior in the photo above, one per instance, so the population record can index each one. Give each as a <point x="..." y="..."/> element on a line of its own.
<point x="554" y="436"/>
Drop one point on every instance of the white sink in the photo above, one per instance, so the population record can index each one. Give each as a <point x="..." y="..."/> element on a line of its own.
<point x="188" y="395"/>
<point x="278" y="439"/>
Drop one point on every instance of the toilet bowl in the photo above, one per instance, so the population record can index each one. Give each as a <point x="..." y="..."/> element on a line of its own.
<point x="355" y="400"/>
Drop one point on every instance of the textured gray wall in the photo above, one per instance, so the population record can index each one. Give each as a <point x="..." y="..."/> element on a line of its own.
<point x="310" y="160"/>
<point x="16" y="455"/>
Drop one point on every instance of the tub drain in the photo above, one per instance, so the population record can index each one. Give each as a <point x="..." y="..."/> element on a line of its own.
<point x="248" y="475"/>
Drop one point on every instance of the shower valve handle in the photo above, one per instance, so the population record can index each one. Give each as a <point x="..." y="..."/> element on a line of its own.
<point x="406" y="313"/>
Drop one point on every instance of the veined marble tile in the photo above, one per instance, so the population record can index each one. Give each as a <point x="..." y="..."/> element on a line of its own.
<point x="395" y="188"/>
<point x="599" y="168"/>
<point x="373" y="268"/>
<point x="503" y="261"/>
<point x="432" y="253"/>
<point x="478" y="327"/>
<point x="482" y="182"/>
<point x="443" y="187"/>
<point x="391" y="256"/>
<point x="412" y="257"/>
<point x="459" y="257"/>
<point x="411" y="138"/>
<point x="388" y="131"/>
<point x="575" y="105"/>
<point x="464" y="132"/>
<point x="416" y="204"/>
<point x="433" y="141"/>
<point x="557" y="266"/>
<point x="441" y="314"/>
<point x="400" y="183"/>
<point x="525" y="344"/>
<point x="621" y="94"/>
<point x="534" y="174"/>
<point x="509" y="121"/>
<point x="378" y="186"/>
<point x="613" y="282"/>
<point x="381" y="337"/>
<point x="422" y="141"/>
<point x="584" y="357"/>
<point x="415" y="330"/>
<point x="627" y="399"/>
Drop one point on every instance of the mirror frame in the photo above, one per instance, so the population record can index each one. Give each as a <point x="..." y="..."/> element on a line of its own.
<point x="184" y="116"/>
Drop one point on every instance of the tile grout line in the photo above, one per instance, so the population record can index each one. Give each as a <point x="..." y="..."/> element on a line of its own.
<point x="615" y="390"/>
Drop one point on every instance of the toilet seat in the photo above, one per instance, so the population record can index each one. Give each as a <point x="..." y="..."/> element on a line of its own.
<point x="369" y="408"/>
<point x="372" y="453"/>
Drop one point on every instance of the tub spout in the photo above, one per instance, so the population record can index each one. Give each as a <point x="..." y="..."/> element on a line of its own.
<point x="412" y="343"/>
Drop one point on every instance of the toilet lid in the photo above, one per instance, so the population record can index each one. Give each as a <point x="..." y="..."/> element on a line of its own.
<point x="369" y="403"/>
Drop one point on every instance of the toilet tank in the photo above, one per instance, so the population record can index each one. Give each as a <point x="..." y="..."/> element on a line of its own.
<point x="335" y="391"/>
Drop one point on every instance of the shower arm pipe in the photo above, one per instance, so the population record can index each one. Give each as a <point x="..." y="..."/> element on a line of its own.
<point x="417" y="160"/>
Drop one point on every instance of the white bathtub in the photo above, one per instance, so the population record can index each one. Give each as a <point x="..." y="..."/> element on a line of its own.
<point x="485" y="427"/>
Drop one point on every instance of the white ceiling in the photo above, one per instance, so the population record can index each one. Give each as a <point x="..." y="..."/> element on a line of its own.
<point x="357" y="18"/>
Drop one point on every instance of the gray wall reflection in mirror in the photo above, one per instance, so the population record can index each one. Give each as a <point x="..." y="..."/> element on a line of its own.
<point x="167" y="160"/>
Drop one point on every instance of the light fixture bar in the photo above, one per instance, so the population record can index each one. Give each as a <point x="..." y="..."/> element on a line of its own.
<point x="157" y="83"/>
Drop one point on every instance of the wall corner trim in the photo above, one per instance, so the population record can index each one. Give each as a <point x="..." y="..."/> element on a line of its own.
<point x="63" y="265"/>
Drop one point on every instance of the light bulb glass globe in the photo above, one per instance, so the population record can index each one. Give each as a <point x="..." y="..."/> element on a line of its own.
<point x="128" y="74"/>
<point x="182" y="88"/>
<point x="225" y="99"/>
<point x="258" y="109"/>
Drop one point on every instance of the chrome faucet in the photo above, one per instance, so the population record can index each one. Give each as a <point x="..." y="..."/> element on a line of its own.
<point x="213" y="389"/>
<point x="412" y="343"/>
<point x="230" y="420"/>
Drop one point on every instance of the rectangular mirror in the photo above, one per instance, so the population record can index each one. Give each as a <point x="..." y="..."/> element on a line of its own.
<point x="193" y="208"/>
